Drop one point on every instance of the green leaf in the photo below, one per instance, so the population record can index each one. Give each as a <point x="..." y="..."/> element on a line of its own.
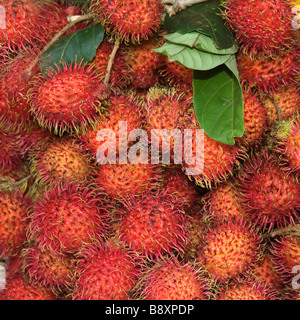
<point x="77" y="46"/>
<point x="191" y="57"/>
<point x="199" y="41"/>
<point x="218" y="103"/>
<point x="204" y="18"/>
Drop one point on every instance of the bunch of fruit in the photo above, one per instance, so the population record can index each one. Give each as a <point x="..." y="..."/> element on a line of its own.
<point x="74" y="228"/>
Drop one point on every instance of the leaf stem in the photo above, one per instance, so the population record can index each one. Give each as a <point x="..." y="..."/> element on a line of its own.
<point x="290" y="230"/>
<point x="16" y="183"/>
<point x="276" y="107"/>
<point x="111" y="61"/>
<point x="70" y="25"/>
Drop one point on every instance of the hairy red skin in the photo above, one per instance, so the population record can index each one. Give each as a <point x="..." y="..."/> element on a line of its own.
<point x="49" y="269"/>
<point x="129" y="20"/>
<point x="67" y="99"/>
<point x="60" y="160"/>
<point x="229" y="249"/>
<point x="66" y="217"/>
<point x="15" y="208"/>
<point x="285" y="253"/>
<point x="268" y="194"/>
<point x="289" y="149"/>
<point x="123" y="107"/>
<point x="105" y="272"/>
<point x="246" y="289"/>
<point x="263" y="28"/>
<point x="220" y="159"/>
<point x="18" y="289"/>
<point x="170" y="279"/>
<point x="153" y="225"/>
<point x="22" y="23"/>
<point x="267" y="74"/>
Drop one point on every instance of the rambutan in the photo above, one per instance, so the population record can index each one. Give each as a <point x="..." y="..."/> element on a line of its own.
<point x="265" y="272"/>
<point x="143" y="63"/>
<point x="289" y="147"/>
<point x="268" y="74"/>
<point x="105" y="272"/>
<point x="121" y="181"/>
<point x="229" y="249"/>
<point x="255" y="119"/>
<point x="14" y="108"/>
<point x="124" y="108"/>
<point x="47" y="268"/>
<point x="268" y="195"/>
<point x="246" y="289"/>
<point x="17" y="288"/>
<point x="175" y="73"/>
<point x="153" y="225"/>
<point x="66" y="99"/>
<point x="288" y="101"/>
<point x="178" y="184"/>
<point x="15" y="208"/>
<point x="22" y="23"/>
<point x="10" y="153"/>
<point x="131" y="20"/>
<point x="62" y="159"/>
<point x="217" y="161"/>
<point x="263" y="28"/>
<point x="166" y="112"/>
<point x="285" y="253"/>
<point x="66" y="217"/>
<point x="170" y="279"/>
<point x="222" y="202"/>
<point x="120" y="75"/>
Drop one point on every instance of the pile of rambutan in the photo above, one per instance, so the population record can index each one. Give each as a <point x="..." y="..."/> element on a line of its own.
<point x="90" y="211"/>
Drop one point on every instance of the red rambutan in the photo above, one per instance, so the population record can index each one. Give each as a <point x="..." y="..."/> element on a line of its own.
<point x="62" y="159"/>
<point x="268" y="195"/>
<point x="17" y="288"/>
<point x="170" y="279"/>
<point x="66" y="99"/>
<point x="246" y="289"/>
<point x="268" y="74"/>
<point x="66" y="217"/>
<point x="229" y="249"/>
<point x="153" y="225"/>
<point x="105" y="272"/>
<point x="133" y="20"/>
<point x="15" y="208"/>
<point x="49" y="269"/>
<point x="262" y="27"/>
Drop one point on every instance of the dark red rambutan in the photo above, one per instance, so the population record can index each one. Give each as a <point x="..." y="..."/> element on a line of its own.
<point x="66" y="99"/>
<point x="105" y="272"/>
<point x="268" y="194"/>
<point x="66" y="217"/>
<point x="153" y="225"/>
